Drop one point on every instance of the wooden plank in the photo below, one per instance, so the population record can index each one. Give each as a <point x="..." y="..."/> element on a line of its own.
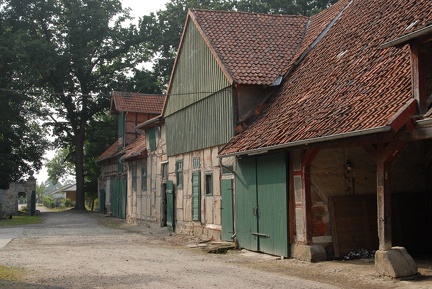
<point x="384" y="206"/>
<point x="351" y="228"/>
<point x="418" y="78"/>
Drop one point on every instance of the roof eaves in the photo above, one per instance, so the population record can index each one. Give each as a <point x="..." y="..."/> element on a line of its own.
<point x="400" y="41"/>
<point x="155" y="120"/>
<point x="293" y="144"/>
<point x="133" y="155"/>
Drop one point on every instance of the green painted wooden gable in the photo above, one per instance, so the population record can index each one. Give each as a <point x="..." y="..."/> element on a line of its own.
<point x="199" y="110"/>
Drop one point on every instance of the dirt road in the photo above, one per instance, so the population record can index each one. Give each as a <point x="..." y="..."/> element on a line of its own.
<point x="86" y="250"/>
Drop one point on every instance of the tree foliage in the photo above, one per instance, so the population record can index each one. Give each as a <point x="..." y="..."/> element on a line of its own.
<point x="60" y="166"/>
<point x="74" y="52"/>
<point x="22" y="139"/>
<point x="71" y="54"/>
<point x="101" y="134"/>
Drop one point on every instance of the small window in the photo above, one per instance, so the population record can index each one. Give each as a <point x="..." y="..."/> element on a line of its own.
<point x="119" y="165"/>
<point x="144" y="177"/>
<point x="134" y="178"/>
<point x="179" y="173"/>
<point x="164" y="172"/>
<point x="227" y="170"/>
<point x="196" y="163"/>
<point x="209" y="184"/>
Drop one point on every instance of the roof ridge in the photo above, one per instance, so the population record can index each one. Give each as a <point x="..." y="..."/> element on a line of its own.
<point x="120" y="93"/>
<point x="251" y="13"/>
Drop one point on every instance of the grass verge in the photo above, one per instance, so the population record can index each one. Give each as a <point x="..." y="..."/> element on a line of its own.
<point x="11" y="273"/>
<point x="20" y="220"/>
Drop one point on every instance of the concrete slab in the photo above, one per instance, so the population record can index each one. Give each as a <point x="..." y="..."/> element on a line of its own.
<point x="8" y="234"/>
<point x="308" y="253"/>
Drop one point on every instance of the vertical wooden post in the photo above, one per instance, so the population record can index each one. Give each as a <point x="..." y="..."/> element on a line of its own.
<point x="418" y="78"/>
<point x="307" y="159"/>
<point x="384" y="154"/>
<point x="384" y="205"/>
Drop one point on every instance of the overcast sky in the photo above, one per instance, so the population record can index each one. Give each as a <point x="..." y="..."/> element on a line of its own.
<point x="144" y="7"/>
<point x="139" y="8"/>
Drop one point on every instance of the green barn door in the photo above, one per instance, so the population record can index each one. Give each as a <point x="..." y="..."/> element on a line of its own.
<point x="114" y="197"/>
<point x="118" y="189"/>
<point x="262" y="204"/>
<point x="227" y="209"/>
<point x="273" y="204"/>
<point x="170" y="206"/>
<point x="246" y="204"/>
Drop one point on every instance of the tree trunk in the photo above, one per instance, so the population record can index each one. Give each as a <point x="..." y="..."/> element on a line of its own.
<point x="92" y="204"/>
<point x="79" y="169"/>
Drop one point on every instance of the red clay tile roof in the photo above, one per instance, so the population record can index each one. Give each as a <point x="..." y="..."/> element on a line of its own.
<point x="347" y="83"/>
<point x="112" y="151"/>
<point x="254" y="48"/>
<point x="135" y="149"/>
<point x="137" y="102"/>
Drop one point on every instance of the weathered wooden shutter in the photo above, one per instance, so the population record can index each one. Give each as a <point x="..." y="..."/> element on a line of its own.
<point x="170" y="221"/>
<point x="152" y="139"/>
<point x="196" y="196"/>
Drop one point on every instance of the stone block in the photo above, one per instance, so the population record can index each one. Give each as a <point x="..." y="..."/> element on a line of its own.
<point x="308" y="253"/>
<point x="395" y="263"/>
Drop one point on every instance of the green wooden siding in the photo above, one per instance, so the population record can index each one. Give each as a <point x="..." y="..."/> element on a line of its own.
<point x="262" y="204"/>
<point x="206" y="123"/>
<point x="199" y="111"/>
<point x="197" y="73"/>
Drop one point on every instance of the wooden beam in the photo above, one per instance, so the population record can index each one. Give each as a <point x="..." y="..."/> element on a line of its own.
<point x="403" y="117"/>
<point x="418" y="78"/>
<point x="384" y="206"/>
<point x="309" y="155"/>
<point x="307" y="158"/>
<point x="384" y="154"/>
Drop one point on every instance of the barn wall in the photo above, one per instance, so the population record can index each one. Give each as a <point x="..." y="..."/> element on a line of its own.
<point x="209" y="225"/>
<point x="338" y="172"/>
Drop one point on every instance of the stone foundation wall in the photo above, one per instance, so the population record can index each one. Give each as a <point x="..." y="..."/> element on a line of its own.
<point x="9" y="197"/>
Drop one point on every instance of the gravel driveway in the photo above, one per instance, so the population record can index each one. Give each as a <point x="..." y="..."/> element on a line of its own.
<point x="85" y="250"/>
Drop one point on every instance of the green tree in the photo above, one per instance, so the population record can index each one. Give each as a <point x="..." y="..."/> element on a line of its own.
<point x="41" y="189"/>
<point x="72" y="51"/>
<point x="22" y="139"/>
<point x="60" y="166"/>
<point x="101" y="134"/>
